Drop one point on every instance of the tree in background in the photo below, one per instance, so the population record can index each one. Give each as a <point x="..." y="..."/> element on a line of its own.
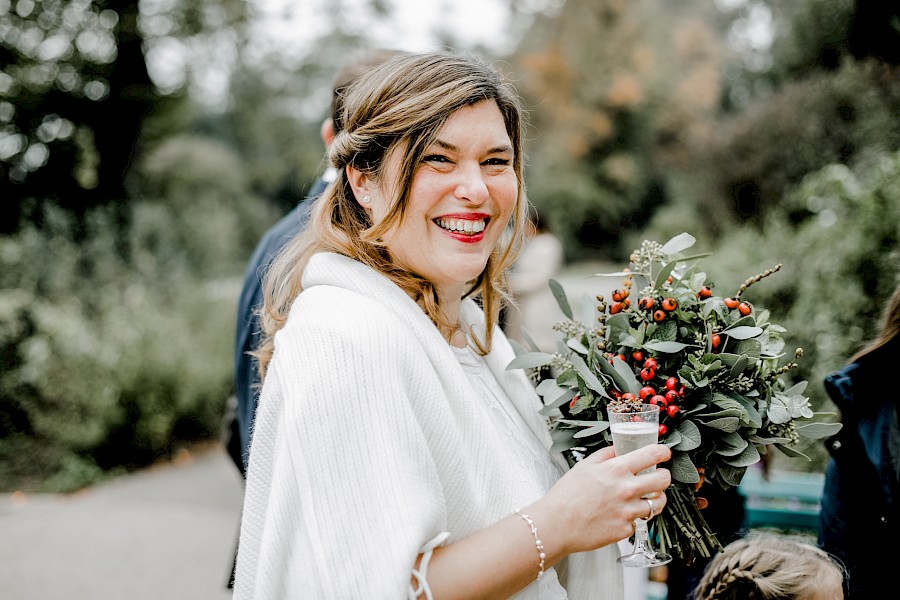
<point x="74" y="91"/>
<point x="611" y="84"/>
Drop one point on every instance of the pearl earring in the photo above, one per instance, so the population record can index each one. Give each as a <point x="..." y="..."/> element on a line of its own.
<point x="366" y="200"/>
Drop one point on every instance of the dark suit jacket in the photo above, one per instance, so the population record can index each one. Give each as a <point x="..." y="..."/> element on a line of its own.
<point x="248" y="332"/>
<point x="860" y="516"/>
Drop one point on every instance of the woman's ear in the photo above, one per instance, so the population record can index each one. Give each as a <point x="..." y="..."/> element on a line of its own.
<point x="359" y="183"/>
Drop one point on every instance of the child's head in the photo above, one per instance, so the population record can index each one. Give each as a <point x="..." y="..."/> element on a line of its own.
<point x="771" y="567"/>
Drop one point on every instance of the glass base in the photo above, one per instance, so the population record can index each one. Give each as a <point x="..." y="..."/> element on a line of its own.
<point x="644" y="559"/>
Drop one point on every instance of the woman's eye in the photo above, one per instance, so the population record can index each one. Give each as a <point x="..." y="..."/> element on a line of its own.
<point x="436" y="158"/>
<point x="497" y="161"/>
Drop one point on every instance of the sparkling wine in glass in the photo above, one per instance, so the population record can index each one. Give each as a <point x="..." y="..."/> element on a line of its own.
<point x="630" y="431"/>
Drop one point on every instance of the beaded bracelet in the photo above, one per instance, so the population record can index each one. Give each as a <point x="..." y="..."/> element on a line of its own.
<point x="537" y="542"/>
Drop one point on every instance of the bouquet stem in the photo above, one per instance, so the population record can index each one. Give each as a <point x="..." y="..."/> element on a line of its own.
<point x="681" y="528"/>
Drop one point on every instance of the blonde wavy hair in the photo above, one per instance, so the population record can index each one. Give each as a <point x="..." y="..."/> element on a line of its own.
<point x="400" y="104"/>
<point x="771" y="567"/>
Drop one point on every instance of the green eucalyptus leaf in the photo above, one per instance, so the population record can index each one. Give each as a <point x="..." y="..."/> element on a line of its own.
<point x="817" y="431"/>
<point x="796" y="389"/>
<point x="530" y="360"/>
<point x="791" y="452"/>
<point x="750" y="347"/>
<point x="600" y="427"/>
<point x="560" y="294"/>
<point x="666" y="347"/>
<point x="664" y="274"/>
<point x="753" y="416"/>
<point x="563" y="439"/>
<point x="586" y="374"/>
<point x="683" y="468"/>
<point x="577" y="346"/>
<point x="677" y="244"/>
<point x="739" y="366"/>
<point x="727" y="424"/>
<point x="743" y="333"/>
<point x="691" y="437"/>
<point x="627" y="375"/>
<point x="731" y="445"/>
<point x="672" y="439"/>
<point x="548" y="387"/>
<point x="617" y="326"/>
<point x="730" y="474"/>
<point x="729" y="359"/>
<point x="555" y="401"/>
<point x="766" y="441"/>
<point x="749" y="456"/>
<point x="747" y="321"/>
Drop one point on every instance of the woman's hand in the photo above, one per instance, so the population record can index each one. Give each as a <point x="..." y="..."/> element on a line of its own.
<point x="596" y="502"/>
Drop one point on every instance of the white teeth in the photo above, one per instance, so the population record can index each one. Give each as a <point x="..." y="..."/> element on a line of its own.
<point x="462" y="225"/>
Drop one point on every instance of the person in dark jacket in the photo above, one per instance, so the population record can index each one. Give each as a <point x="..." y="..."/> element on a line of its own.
<point x="860" y="518"/>
<point x="246" y="378"/>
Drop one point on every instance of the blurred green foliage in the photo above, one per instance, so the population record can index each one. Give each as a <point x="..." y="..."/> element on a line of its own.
<point x="117" y="350"/>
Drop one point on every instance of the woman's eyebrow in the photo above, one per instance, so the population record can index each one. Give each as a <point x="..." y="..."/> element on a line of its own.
<point x="495" y="150"/>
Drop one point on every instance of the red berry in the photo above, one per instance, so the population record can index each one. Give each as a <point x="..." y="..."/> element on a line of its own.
<point x="659" y="315"/>
<point x="645" y="303"/>
<point x="731" y="303"/>
<point x="650" y="363"/>
<point x="621" y="357"/>
<point x="637" y="356"/>
<point x="671" y="396"/>
<point x="669" y="304"/>
<point x="672" y="383"/>
<point x="704" y="292"/>
<point x="620" y="294"/>
<point x="646" y="392"/>
<point x="615" y="308"/>
<point x="662" y="430"/>
<point x="745" y="309"/>
<point x="658" y="400"/>
<point x="627" y="396"/>
<point x="647" y="374"/>
<point x="716" y="340"/>
<point x="672" y="410"/>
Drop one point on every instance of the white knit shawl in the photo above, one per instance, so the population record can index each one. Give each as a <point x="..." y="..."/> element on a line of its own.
<point x="367" y="445"/>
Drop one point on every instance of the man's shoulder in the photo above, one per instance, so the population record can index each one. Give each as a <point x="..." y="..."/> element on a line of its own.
<point x="283" y="230"/>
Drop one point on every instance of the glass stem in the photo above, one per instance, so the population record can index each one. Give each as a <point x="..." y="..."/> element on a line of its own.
<point x="642" y="537"/>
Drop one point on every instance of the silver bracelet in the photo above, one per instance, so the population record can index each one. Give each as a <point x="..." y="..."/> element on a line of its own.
<point x="537" y="542"/>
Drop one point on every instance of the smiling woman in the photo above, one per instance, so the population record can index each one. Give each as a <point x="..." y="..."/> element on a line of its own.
<point x="393" y="455"/>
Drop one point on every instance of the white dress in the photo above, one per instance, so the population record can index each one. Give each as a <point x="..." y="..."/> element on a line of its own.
<point x="373" y="442"/>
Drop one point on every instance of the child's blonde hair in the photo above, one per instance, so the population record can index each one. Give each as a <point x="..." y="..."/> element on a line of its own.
<point x="771" y="567"/>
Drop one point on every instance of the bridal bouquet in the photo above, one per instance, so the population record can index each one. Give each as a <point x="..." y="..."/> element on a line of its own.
<point x="714" y="365"/>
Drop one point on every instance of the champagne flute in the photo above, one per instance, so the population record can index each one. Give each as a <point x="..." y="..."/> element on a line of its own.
<point x="630" y="431"/>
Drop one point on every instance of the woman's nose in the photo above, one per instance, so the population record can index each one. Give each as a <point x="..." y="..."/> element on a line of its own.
<point x="471" y="185"/>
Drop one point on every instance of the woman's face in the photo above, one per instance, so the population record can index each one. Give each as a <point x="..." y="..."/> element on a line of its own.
<point x="461" y="199"/>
